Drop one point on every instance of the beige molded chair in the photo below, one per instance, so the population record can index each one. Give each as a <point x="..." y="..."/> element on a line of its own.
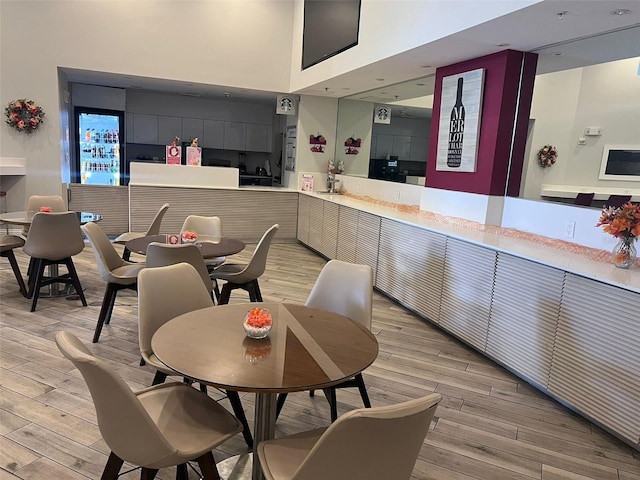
<point x="163" y="294"/>
<point x="163" y="254"/>
<point x="7" y="244"/>
<point x="378" y="443"/>
<point x="55" y="202"/>
<point x="346" y="289"/>
<point x="205" y="226"/>
<point x="118" y="273"/>
<point x="246" y="276"/>
<point x="154" y="229"/>
<point x="154" y="428"/>
<point x="53" y="239"/>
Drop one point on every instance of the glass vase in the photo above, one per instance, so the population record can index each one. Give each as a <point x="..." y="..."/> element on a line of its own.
<point x="624" y="253"/>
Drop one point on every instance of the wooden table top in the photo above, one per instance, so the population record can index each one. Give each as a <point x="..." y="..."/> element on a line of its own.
<point x="210" y="246"/>
<point x="26" y="217"/>
<point x="306" y="349"/>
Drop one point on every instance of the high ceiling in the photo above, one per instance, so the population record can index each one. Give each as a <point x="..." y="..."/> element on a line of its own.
<point x="564" y="33"/>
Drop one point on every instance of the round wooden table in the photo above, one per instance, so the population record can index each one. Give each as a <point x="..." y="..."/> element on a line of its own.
<point x="210" y="246"/>
<point x="25" y="217"/>
<point x="306" y="349"/>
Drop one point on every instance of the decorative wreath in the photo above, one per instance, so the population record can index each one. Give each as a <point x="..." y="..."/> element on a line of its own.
<point x="547" y="156"/>
<point x="24" y="115"/>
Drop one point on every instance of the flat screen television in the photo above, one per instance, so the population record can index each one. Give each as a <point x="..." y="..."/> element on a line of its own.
<point x="620" y="162"/>
<point x="330" y="27"/>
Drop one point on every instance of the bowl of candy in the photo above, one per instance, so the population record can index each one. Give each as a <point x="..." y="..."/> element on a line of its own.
<point x="257" y="323"/>
<point x="44" y="209"/>
<point x="189" y="237"/>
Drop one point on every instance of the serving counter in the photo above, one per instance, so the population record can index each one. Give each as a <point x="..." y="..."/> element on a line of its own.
<point x="564" y="322"/>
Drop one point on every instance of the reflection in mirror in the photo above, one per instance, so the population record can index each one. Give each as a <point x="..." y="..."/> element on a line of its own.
<point x="394" y="151"/>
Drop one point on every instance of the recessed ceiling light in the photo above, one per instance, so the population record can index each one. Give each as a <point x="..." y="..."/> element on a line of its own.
<point x="346" y="88"/>
<point x="425" y="66"/>
<point x="620" y="11"/>
<point x="557" y="54"/>
<point x="379" y="79"/>
<point x="420" y="84"/>
<point x="562" y="14"/>
<point x="503" y="45"/>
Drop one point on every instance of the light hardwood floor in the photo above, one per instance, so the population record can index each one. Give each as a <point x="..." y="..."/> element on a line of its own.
<point x="490" y="424"/>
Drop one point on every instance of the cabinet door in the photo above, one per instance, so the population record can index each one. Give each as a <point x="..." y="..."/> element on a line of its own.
<point x="145" y="128"/>
<point x="192" y="128"/>
<point x="258" y="139"/>
<point x="168" y="129"/>
<point x="524" y="316"/>
<point x="213" y="135"/>
<point x="384" y="146"/>
<point x="401" y="147"/>
<point x="304" y="207"/>
<point x="128" y="127"/>
<point x="315" y="223"/>
<point x="329" y="244"/>
<point x="419" y="149"/>
<point x="235" y="134"/>
<point x="411" y="267"/>
<point x="595" y="365"/>
<point x="368" y="238"/>
<point x="466" y="291"/>
<point x="348" y="233"/>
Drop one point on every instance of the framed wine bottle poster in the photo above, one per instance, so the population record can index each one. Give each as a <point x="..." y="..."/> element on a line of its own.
<point x="459" y="127"/>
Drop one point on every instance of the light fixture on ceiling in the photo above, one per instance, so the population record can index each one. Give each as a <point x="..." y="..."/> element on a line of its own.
<point x="420" y="84"/>
<point x="227" y="95"/>
<point x="503" y="44"/>
<point x="562" y="14"/>
<point x="189" y="94"/>
<point x="379" y="79"/>
<point x="425" y="66"/>
<point x="557" y="54"/>
<point x="620" y="11"/>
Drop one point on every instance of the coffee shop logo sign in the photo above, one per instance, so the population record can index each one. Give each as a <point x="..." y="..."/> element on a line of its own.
<point x="459" y="125"/>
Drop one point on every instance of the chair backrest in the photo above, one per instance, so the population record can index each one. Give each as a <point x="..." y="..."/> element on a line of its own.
<point x="584" y="199"/>
<point x="617" y="200"/>
<point x="56" y="203"/>
<point x="107" y="257"/>
<point x="163" y="254"/>
<point x="257" y="264"/>
<point x="124" y="424"/>
<point x="154" y="228"/>
<point x="163" y="294"/>
<point x="203" y="225"/>
<point x="372" y="443"/>
<point x="54" y="236"/>
<point x="344" y="288"/>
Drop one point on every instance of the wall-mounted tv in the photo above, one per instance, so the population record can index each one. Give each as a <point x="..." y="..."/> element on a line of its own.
<point x="330" y="27"/>
<point x="620" y="162"/>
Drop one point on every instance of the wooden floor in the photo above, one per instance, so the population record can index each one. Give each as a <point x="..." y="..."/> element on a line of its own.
<point x="490" y="425"/>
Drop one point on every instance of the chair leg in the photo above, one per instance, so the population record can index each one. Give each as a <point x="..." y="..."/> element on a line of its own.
<point x="330" y="393"/>
<point x="312" y="393"/>
<point x="225" y="295"/>
<point x="258" y="293"/>
<point x="203" y="388"/>
<point x="216" y="290"/>
<point x="40" y="265"/>
<point x="238" y="411"/>
<point x="75" y="279"/>
<point x="148" y="473"/>
<point x="159" y="378"/>
<point x="112" y="302"/>
<point x="208" y="466"/>
<point x="109" y="294"/>
<point x="16" y="271"/>
<point x="181" y="472"/>
<point x="363" y="390"/>
<point x="126" y="254"/>
<point x="280" y="403"/>
<point x="112" y="468"/>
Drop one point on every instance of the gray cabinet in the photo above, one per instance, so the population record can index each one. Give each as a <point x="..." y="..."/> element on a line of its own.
<point x="213" y="134"/>
<point x="401" y="147"/>
<point x="235" y="135"/>
<point x="192" y="128"/>
<point x="419" y="149"/>
<point x="168" y="129"/>
<point x="258" y="138"/>
<point x="128" y="127"/>
<point x="145" y="128"/>
<point x="384" y="146"/>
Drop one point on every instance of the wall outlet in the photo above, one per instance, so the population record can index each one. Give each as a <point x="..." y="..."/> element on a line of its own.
<point x="570" y="229"/>
<point x="397" y="196"/>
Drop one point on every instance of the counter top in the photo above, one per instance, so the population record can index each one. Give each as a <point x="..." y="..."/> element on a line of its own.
<point x="560" y="254"/>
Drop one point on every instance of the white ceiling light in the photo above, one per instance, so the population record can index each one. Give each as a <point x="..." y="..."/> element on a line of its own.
<point x="620" y="11"/>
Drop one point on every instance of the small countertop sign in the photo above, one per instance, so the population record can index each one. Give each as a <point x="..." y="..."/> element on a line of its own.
<point x="307" y="182"/>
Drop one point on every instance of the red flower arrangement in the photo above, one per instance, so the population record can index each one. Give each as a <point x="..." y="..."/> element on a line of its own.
<point x="24" y="115"/>
<point x="547" y="156"/>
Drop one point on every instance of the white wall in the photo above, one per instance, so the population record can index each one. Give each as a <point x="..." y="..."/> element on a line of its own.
<point x="565" y="104"/>
<point x="200" y="42"/>
<point x="390" y="27"/>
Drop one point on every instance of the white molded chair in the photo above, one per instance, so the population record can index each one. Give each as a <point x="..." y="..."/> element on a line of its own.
<point x="7" y="244"/>
<point x="154" y="428"/>
<point x="35" y="202"/>
<point x="53" y="239"/>
<point x="154" y="229"/>
<point x="246" y="276"/>
<point x="117" y="272"/>
<point x="347" y="289"/>
<point x="378" y="443"/>
<point x="164" y="293"/>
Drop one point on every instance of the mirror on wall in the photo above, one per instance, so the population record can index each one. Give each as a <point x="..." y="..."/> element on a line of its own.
<point x="395" y="151"/>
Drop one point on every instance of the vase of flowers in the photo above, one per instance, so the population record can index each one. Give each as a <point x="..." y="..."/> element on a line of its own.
<point x="624" y="224"/>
